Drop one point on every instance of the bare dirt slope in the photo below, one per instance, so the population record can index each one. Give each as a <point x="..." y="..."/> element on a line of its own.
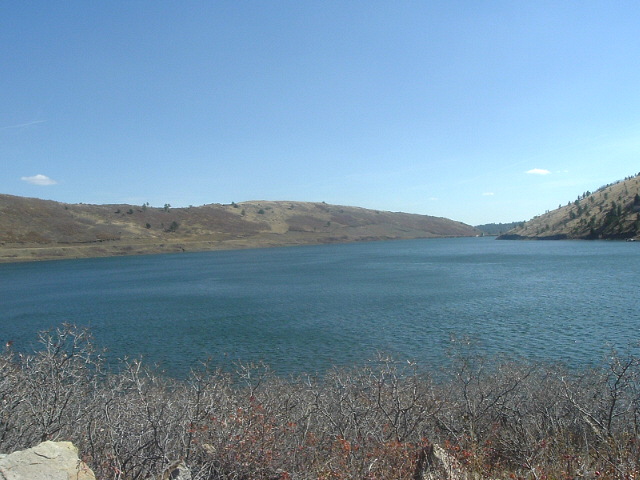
<point x="33" y="229"/>
<point x="611" y="212"/>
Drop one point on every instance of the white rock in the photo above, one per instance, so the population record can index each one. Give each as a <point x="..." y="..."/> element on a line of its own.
<point x="47" y="461"/>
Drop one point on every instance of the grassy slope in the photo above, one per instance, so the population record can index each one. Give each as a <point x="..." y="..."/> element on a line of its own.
<point x="33" y="229"/>
<point x="612" y="212"/>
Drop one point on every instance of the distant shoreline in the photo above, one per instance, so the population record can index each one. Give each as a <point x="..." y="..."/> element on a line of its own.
<point x="36" y="253"/>
<point x="33" y="229"/>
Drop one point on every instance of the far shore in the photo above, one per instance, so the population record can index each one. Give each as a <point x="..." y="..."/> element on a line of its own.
<point x="18" y="253"/>
<point x="32" y="253"/>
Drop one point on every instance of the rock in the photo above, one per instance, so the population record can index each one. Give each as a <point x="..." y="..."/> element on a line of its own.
<point x="47" y="461"/>
<point x="176" y="471"/>
<point x="435" y="463"/>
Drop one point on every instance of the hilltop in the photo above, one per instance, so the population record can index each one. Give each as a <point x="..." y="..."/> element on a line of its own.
<point x="611" y="212"/>
<point x="34" y="229"/>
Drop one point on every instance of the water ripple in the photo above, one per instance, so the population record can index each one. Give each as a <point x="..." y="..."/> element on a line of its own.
<point x="306" y="308"/>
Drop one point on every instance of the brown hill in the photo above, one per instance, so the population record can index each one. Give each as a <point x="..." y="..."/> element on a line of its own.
<point x="611" y="212"/>
<point x="33" y="229"/>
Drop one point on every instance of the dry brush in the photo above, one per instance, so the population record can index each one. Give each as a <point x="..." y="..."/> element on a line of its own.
<point x="494" y="419"/>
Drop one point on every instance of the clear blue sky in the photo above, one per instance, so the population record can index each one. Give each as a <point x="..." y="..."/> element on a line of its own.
<point x="431" y="107"/>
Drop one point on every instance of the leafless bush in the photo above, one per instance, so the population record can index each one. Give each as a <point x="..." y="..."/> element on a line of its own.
<point x="496" y="419"/>
<point x="44" y="395"/>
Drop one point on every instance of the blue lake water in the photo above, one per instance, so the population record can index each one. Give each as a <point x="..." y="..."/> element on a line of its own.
<point x="307" y="308"/>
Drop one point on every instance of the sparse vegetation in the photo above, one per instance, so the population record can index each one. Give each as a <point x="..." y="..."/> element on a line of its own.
<point x="33" y="229"/>
<point x="495" y="419"/>
<point x="590" y="216"/>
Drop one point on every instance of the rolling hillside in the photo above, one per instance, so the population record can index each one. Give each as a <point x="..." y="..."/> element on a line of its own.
<point x="611" y="212"/>
<point x="33" y="229"/>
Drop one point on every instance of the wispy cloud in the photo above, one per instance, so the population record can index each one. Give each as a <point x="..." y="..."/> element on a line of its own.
<point x="488" y="194"/>
<point x="538" y="171"/>
<point x="21" y="125"/>
<point x="39" y="180"/>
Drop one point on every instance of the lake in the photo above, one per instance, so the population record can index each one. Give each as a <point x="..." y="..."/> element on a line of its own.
<point x="307" y="308"/>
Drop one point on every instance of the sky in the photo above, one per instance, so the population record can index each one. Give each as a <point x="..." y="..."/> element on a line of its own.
<point x="476" y="111"/>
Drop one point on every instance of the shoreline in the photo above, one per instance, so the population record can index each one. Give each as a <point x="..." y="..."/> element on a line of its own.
<point x="20" y="253"/>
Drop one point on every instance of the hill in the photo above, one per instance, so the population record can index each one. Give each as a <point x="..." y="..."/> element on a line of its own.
<point x="498" y="228"/>
<point x="611" y="212"/>
<point x="34" y="229"/>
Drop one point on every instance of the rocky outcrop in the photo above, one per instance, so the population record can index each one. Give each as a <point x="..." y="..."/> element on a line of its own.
<point x="47" y="461"/>
<point x="434" y="463"/>
<point x="176" y="471"/>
